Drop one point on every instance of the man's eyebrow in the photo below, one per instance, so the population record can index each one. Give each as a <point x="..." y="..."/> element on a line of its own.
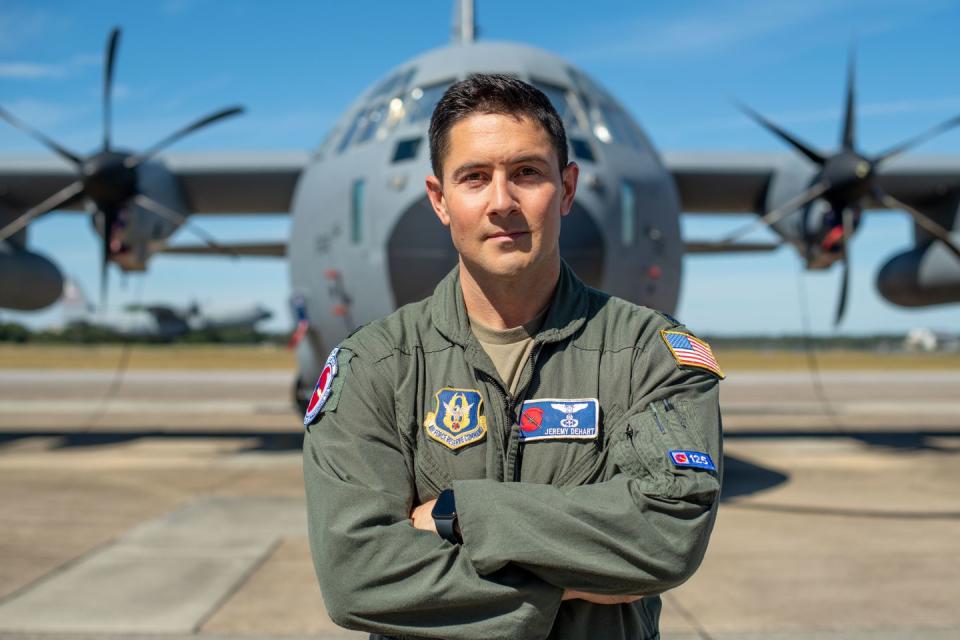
<point x="466" y="168"/>
<point x="533" y="157"/>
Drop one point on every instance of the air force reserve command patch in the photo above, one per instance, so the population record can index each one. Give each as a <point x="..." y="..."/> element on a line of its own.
<point x="321" y="393"/>
<point x="689" y="351"/>
<point x="457" y="419"/>
<point x="559" y="419"/>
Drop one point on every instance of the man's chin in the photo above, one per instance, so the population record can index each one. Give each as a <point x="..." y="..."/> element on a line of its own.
<point x="506" y="267"/>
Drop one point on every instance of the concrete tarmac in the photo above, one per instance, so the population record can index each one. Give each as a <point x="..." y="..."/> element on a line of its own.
<point x="170" y="505"/>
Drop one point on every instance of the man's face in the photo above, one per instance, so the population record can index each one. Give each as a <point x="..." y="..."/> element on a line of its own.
<point x="502" y="193"/>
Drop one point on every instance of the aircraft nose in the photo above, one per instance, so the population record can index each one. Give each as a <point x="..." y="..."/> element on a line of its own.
<point x="420" y="252"/>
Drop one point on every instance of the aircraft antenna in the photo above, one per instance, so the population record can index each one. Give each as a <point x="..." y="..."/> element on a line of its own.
<point x="464" y="22"/>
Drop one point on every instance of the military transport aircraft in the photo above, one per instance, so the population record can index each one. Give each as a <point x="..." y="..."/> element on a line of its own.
<point x="364" y="239"/>
<point x="158" y="321"/>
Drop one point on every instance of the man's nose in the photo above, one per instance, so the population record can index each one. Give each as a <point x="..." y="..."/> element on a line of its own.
<point x="502" y="202"/>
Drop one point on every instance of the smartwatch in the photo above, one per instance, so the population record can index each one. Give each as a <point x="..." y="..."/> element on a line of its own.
<point x="445" y="516"/>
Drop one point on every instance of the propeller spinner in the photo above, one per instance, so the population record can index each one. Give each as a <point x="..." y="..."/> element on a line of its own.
<point x="108" y="178"/>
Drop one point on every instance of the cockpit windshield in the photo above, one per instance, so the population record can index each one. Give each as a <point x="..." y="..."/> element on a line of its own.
<point x="385" y="108"/>
<point x="609" y="123"/>
<point x="389" y="104"/>
<point x="423" y="100"/>
<point x="559" y="99"/>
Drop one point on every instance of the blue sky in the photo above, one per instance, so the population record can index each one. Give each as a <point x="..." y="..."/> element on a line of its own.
<point x="675" y="66"/>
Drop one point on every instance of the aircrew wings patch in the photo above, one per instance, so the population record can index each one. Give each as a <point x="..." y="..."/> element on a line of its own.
<point x="690" y="351"/>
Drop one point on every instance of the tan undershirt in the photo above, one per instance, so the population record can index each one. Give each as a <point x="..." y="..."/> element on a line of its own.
<point x="509" y="348"/>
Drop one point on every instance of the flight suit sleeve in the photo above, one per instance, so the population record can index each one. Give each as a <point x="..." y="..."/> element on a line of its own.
<point x="643" y="527"/>
<point x="377" y="572"/>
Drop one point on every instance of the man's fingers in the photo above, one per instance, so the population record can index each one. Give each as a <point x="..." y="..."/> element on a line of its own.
<point x="422" y="516"/>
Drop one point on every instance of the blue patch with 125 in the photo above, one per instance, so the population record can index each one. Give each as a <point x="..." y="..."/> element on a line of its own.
<point x="695" y="459"/>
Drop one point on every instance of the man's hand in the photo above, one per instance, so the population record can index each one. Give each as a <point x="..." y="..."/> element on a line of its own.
<point x="422" y="516"/>
<point x="596" y="598"/>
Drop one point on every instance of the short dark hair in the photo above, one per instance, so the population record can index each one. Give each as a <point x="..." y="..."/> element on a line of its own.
<point x="492" y="93"/>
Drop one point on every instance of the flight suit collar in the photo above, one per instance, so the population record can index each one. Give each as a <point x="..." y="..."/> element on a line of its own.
<point x="568" y="310"/>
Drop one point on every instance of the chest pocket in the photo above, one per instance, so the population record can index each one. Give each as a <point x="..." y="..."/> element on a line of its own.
<point x="560" y="440"/>
<point x="451" y="440"/>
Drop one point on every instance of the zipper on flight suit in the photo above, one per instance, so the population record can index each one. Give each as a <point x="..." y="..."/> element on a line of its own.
<point x="669" y="407"/>
<point x="505" y="401"/>
<point x="656" y="417"/>
<point x="519" y="401"/>
<point x="510" y="404"/>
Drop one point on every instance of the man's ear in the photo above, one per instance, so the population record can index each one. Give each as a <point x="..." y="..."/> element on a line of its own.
<point x="437" y="201"/>
<point x="569" y="177"/>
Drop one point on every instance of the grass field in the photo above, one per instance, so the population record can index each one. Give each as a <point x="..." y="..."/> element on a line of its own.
<point x="269" y="357"/>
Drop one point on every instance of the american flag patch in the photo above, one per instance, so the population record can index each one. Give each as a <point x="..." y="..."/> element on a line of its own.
<point x="691" y="352"/>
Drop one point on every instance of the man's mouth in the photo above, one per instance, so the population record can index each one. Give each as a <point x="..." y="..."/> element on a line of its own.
<point x="512" y="235"/>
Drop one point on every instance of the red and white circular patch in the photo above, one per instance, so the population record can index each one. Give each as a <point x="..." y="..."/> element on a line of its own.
<point x="321" y="393"/>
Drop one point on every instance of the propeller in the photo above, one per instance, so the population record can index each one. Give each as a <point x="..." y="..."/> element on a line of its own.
<point x="108" y="178"/>
<point x="845" y="180"/>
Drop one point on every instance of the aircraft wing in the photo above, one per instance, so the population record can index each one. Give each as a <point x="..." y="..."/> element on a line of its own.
<point x="213" y="183"/>
<point x="725" y="183"/>
<point x="693" y="246"/>
<point x="257" y="249"/>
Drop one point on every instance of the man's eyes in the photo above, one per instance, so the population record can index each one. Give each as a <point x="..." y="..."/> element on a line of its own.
<point x="529" y="172"/>
<point x="480" y="177"/>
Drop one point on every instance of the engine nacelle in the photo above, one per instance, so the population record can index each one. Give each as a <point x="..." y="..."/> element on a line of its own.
<point x="921" y="277"/>
<point x="28" y="281"/>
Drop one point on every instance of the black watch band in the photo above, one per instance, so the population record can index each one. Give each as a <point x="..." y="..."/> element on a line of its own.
<point x="445" y="516"/>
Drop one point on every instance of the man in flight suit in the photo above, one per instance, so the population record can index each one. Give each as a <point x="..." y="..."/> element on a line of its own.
<point x="573" y="438"/>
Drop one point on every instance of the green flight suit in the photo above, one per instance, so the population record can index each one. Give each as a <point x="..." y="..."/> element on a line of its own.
<point x="610" y="515"/>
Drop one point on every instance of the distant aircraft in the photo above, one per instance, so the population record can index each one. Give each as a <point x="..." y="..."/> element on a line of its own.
<point x="163" y="322"/>
<point x="364" y="239"/>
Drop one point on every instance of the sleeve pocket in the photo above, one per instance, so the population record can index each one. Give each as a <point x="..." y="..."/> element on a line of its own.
<point x="643" y="447"/>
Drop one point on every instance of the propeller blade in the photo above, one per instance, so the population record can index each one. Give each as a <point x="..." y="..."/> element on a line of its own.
<point x="848" y="216"/>
<point x="815" y="191"/>
<point x="109" y="218"/>
<point x="39" y="137"/>
<point x="179" y="219"/>
<point x="111" y="55"/>
<point x="850" y="115"/>
<point x="793" y="141"/>
<point x="140" y="158"/>
<point x="57" y="200"/>
<point x="925" y="222"/>
<point x="932" y="132"/>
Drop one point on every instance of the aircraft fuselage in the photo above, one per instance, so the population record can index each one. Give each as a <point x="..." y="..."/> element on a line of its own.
<point x="365" y="241"/>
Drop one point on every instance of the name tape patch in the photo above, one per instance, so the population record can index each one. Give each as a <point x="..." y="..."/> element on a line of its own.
<point x="559" y="419"/>
<point x="695" y="459"/>
<point x="457" y="419"/>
